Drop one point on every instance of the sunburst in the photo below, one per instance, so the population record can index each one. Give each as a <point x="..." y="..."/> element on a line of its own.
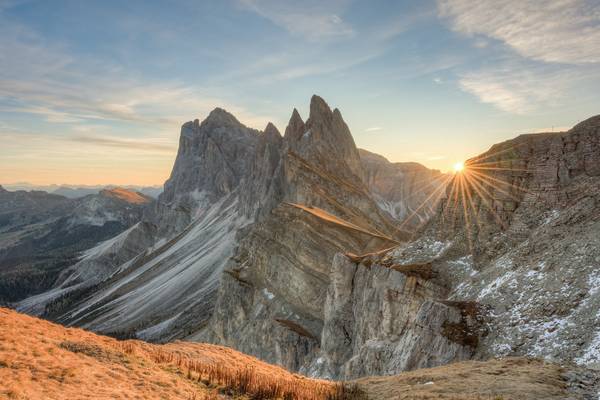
<point x="476" y="192"/>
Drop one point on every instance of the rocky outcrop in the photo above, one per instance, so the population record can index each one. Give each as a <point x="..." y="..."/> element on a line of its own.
<point x="379" y="321"/>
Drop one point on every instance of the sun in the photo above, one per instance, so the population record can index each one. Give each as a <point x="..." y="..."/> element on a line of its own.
<point x="458" y="167"/>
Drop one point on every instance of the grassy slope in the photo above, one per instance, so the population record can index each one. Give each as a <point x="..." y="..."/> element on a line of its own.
<point x="505" y="379"/>
<point x="41" y="360"/>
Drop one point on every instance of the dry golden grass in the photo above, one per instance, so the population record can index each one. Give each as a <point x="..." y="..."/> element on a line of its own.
<point x="503" y="379"/>
<point x="42" y="360"/>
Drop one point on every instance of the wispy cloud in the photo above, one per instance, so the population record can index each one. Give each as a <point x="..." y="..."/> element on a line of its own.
<point x="142" y="145"/>
<point x="518" y="89"/>
<point x="373" y="129"/>
<point x="46" y="80"/>
<point x="541" y="51"/>
<point x="313" y="20"/>
<point x="563" y="31"/>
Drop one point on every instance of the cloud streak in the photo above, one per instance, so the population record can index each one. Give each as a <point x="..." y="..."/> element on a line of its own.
<point x="138" y="145"/>
<point x="541" y="51"/>
<point x="518" y="89"/>
<point x="313" y="20"/>
<point x="559" y="31"/>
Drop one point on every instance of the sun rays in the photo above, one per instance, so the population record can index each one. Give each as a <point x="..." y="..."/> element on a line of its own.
<point x="479" y="193"/>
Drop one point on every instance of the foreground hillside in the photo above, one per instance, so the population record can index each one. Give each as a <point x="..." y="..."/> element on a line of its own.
<point x="42" y="360"/>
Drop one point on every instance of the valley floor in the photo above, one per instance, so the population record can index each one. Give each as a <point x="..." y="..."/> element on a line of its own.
<point x="42" y="360"/>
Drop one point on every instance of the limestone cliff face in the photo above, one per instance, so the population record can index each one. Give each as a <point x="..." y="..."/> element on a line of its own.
<point x="381" y="320"/>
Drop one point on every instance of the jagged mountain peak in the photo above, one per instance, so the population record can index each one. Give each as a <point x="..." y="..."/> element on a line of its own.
<point x="295" y="128"/>
<point x="222" y="117"/>
<point x="271" y="132"/>
<point x="319" y="107"/>
<point x="217" y="122"/>
<point x="324" y="140"/>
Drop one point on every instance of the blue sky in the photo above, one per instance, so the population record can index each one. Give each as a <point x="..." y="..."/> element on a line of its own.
<point x="95" y="91"/>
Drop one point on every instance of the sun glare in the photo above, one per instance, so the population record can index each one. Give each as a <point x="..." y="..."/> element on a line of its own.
<point x="458" y="167"/>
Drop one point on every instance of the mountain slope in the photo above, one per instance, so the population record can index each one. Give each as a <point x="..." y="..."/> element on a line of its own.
<point x="42" y="234"/>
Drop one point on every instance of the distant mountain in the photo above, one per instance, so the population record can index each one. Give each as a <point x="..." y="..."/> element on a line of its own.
<point x="409" y="192"/>
<point x="77" y="191"/>
<point x="41" y="233"/>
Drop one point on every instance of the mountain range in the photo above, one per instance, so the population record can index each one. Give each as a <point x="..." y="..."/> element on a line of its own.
<point x="75" y="191"/>
<point x="41" y="234"/>
<point x="306" y="252"/>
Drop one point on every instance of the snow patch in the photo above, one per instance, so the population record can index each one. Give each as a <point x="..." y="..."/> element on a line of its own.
<point x="268" y="294"/>
<point x="591" y="354"/>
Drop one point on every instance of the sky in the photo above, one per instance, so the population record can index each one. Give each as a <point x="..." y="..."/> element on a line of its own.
<point x="95" y="92"/>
